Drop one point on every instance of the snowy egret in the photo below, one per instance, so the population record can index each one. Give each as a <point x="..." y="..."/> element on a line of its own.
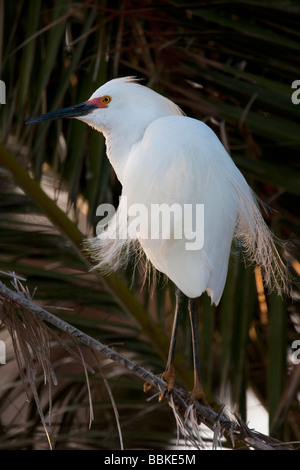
<point x="164" y="158"/>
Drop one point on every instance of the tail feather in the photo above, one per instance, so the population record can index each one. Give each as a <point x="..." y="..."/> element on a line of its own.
<point x="251" y="235"/>
<point x="259" y="244"/>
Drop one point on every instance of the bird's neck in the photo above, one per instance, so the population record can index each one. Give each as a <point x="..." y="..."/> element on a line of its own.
<point x="129" y="131"/>
<point x="119" y="144"/>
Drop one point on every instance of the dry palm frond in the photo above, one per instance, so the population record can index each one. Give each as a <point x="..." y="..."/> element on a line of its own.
<point x="31" y="339"/>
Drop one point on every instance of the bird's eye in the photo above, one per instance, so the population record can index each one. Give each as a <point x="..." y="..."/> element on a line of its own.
<point x="105" y="99"/>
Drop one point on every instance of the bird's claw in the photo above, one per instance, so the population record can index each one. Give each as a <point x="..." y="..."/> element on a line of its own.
<point x="198" y="394"/>
<point x="147" y="387"/>
<point x="169" y="377"/>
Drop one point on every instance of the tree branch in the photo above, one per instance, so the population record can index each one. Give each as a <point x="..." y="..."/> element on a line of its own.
<point x="179" y="399"/>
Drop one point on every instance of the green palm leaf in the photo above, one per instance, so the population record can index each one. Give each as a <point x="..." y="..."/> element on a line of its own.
<point x="229" y="63"/>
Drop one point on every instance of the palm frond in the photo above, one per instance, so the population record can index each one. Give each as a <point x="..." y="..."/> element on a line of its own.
<point x="230" y="64"/>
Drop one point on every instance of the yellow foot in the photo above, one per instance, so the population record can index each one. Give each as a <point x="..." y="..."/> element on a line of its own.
<point x="147" y="387"/>
<point x="169" y="377"/>
<point x="198" y="394"/>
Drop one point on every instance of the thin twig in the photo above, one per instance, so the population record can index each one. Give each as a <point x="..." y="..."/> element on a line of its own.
<point x="113" y="403"/>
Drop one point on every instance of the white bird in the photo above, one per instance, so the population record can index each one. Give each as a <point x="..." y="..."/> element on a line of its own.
<point x="161" y="156"/>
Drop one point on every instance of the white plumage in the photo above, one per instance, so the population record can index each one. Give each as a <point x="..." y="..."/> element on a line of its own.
<point x="162" y="156"/>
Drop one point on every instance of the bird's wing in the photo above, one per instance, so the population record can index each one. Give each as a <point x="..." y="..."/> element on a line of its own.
<point x="181" y="161"/>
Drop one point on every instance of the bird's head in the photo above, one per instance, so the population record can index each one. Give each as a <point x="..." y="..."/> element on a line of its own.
<point x="116" y="102"/>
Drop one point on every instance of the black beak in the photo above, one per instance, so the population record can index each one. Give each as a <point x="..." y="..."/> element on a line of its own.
<point x="81" y="109"/>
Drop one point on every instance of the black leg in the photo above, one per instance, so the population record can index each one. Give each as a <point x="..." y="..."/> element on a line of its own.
<point x="169" y="374"/>
<point x="193" y="320"/>
<point x="176" y="321"/>
<point x="197" y="391"/>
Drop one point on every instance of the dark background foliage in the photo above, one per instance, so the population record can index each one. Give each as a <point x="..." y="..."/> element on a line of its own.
<point x="229" y="63"/>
